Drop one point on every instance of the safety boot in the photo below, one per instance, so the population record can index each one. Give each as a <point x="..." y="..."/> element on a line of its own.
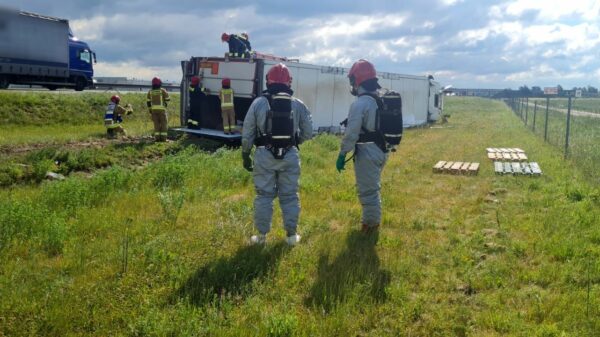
<point x="259" y="239"/>
<point x="293" y="239"/>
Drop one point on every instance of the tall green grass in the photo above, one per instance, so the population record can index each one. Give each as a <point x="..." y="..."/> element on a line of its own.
<point x="584" y="135"/>
<point x="580" y="104"/>
<point x="481" y="255"/>
<point x="32" y="166"/>
<point x="57" y="118"/>
<point x="42" y="109"/>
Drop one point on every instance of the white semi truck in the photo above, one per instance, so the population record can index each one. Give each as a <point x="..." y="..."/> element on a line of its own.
<point x="325" y="91"/>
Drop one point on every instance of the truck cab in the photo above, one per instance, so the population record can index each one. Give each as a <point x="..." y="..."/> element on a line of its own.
<point x="435" y="101"/>
<point x="81" y="59"/>
<point x="41" y="50"/>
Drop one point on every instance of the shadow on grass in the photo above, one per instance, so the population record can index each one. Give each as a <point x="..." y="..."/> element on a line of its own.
<point x="203" y="144"/>
<point x="354" y="274"/>
<point x="231" y="276"/>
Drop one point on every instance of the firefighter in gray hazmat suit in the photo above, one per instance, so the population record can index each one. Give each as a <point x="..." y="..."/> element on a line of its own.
<point x="276" y="123"/>
<point x="359" y="136"/>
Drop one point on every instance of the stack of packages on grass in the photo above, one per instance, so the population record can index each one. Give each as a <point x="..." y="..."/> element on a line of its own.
<point x="456" y="167"/>
<point x="512" y="161"/>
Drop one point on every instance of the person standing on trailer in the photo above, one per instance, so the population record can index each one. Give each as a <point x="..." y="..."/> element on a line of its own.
<point x="157" y="107"/>
<point x="227" y="108"/>
<point x="239" y="45"/>
<point x="361" y="136"/>
<point x="198" y="102"/>
<point x="113" y="117"/>
<point x="276" y="123"/>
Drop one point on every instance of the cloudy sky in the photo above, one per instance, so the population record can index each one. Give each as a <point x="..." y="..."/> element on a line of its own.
<point x="465" y="43"/>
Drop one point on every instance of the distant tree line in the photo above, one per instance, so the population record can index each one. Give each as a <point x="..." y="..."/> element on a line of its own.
<point x="536" y="91"/>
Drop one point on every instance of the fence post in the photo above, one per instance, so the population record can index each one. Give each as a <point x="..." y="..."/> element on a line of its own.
<point x="534" y="114"/>
<point x="526" y="109"/>
<point x="521" y="107"/>
<point x="546" y="121"/>
<point x="568" y="129"/>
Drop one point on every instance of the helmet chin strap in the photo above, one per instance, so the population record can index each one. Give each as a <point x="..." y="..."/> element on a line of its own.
<point x="353" y="91"/>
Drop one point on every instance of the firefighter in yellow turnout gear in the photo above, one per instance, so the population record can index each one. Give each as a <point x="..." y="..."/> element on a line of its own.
<point x="227" y="107"/>
<point x="157" y="106"/>
<point x="113" y="117"/>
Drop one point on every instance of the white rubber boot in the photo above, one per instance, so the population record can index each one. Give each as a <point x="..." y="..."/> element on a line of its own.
<point x="293" y="240"/>
<point x="259" y="239"/>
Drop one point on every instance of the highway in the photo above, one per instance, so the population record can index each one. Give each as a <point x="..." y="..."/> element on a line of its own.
<point x="100" y="87"/>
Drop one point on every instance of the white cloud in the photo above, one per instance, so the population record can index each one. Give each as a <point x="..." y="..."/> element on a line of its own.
<point x="418" y="51"/>
<point x="451" y="2"/>
<point x="542" y="72"/>
<point x="338" y="40"/>
<point x="552" y="10"/>
<point x="331" y="29"/>
<point x="572" y="38"/>
<point x="429" y="25"/>
<point x="89" y="29"/>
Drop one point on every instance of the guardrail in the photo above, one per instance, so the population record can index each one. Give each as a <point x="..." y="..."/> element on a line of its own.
<point x="140" y="87"/>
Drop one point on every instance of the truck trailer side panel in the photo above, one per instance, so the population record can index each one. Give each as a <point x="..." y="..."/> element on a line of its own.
<point x="33" y="45"/>
<point x="325" y="90"/>
<point x="415" y="91"/>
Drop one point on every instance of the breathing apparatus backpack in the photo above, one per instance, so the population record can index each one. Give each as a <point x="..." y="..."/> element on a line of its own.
<point x="388" y="122"/>
<point x="280" y="134"/>
<point x="109" y="115"/>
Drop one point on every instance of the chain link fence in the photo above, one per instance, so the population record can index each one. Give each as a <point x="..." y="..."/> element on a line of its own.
<point x="573" y="124"/>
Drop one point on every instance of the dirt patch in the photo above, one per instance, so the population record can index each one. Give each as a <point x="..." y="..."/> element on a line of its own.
<point x="95" y="144"/>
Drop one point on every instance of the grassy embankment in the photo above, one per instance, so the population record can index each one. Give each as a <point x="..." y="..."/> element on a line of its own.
<point x="64" y="133"/>
<point x="163" y="250"/>
<point x="60" y="117"/>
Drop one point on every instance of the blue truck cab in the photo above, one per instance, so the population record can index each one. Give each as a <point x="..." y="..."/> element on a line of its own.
<point x="81" y="60"/>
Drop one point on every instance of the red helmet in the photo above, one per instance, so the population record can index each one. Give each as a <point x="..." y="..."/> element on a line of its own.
<point x="226" y="82"/>
<point x="279" y="73"/>
<point x="156" y="81"/>
<point x="115" y="99"/>
<point x="361" y="71"/>
<point x="224" y="37"/>
<point x="244" y="35"/>
<point x="195" y="80"/>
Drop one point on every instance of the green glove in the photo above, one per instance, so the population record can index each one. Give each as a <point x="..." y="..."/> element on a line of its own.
<point x="247" y="161"/>
<point x="340" y="163"/>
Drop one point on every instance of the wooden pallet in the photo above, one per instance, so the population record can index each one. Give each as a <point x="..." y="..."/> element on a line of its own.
<point x="506" y="154"/>
<point x="517" y="168"/>
<point x="494" y="149"/>
<point x="456" y="167"/>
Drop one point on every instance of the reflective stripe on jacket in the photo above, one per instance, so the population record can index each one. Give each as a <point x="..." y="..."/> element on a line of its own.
<point x="109" y="115"/>
<point x="226" y="98"/>
<point x="157" y="99"/>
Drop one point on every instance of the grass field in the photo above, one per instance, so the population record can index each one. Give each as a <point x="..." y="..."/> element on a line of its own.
<point x="162" y="250"/>
<point x="584" y="135"/>
<point x="581" y="104"/>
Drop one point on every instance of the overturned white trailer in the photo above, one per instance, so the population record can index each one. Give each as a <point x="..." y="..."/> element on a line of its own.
<point x="325" y="91"/>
